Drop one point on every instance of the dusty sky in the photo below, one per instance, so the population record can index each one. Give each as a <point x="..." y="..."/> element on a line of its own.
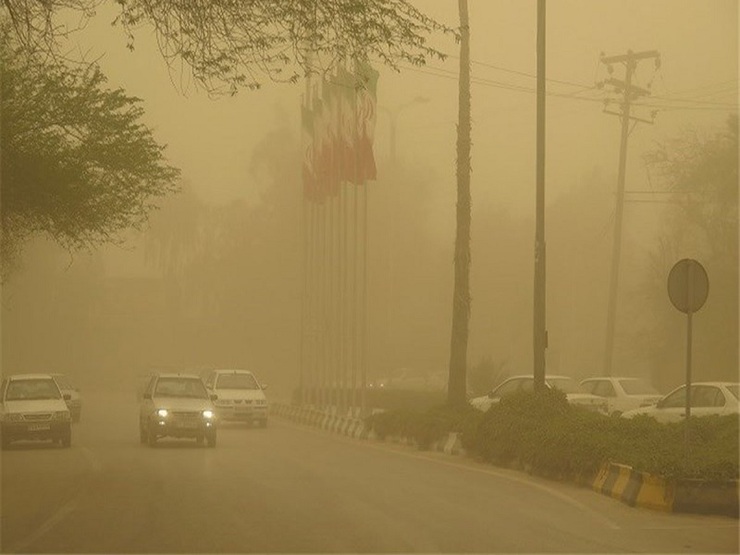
<point x="212" y="141"/>
<point x="697" y="39"/>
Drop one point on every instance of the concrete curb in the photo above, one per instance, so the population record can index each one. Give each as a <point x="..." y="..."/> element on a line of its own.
<point x="641" y="489"/>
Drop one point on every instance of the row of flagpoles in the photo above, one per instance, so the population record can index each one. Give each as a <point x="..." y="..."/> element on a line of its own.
<point x="338" y="116"/>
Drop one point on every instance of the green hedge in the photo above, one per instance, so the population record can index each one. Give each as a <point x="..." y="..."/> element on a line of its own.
<point x="542" y="432"/>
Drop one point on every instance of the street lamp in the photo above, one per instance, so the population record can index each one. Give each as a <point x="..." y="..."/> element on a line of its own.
<point x="393" y="116"/>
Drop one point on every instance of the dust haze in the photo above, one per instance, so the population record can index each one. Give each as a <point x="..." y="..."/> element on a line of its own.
<point x="216" y="277"/>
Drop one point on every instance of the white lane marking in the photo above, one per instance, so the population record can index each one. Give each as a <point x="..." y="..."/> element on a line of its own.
<point x="490" y="471"/>
<point x="52" y="521"/>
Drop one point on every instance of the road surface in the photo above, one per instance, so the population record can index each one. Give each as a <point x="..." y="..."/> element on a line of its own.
<point x="295" y="489"/>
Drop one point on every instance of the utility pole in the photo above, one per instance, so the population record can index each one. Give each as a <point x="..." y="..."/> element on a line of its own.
<point x="540" y="331"/>
<point x="629" y="92"/>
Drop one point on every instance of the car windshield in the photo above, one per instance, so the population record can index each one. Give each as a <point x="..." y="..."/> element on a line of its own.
<point x="32" y="390"/>
<point x="181" y="387"/>
<point x="566" y="385"/>
<point x="237" y="381"/>
<point x="733" y="389"/>
<point x="638" y="387"/>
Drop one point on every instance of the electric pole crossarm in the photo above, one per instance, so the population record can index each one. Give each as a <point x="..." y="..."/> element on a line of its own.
<point x="630" y="56"/>
<point x="622" y="86"/>
<point x="651" y="122"/>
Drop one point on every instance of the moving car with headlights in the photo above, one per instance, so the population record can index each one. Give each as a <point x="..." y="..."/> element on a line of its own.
<point x="621" y="393"/>
<point x="573" y="392"/>
<point x="707" y="398"/>
<point x="177" y="406"/>
<point x="74" y="403"/>
<point x="240" y="396"/>
<point x="33" y="408"/>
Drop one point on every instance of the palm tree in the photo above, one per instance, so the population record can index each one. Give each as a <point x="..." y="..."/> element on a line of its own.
<point x="456" y="390"/>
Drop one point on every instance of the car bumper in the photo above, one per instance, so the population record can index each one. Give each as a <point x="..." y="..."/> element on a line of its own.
<point x="14" y="431"/>
<point x="170" y="427"/>
<point x="242" y="414"/>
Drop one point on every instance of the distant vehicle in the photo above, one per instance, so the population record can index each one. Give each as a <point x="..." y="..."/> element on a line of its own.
<point x="707" y="398"/>
<point x="573" y="392"/>
<point x="240" y="396"/>
<point x="74" y="403"/>
<point x="409" y="379"/>
<point x="621" y="393"/>
<point x="33" y="408"/>
<point x="179" y="406"/>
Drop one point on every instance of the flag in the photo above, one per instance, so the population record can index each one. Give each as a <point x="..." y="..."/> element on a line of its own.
<point x="345" y="84"/>
<point x="310" y="184"/>
<point x="366" y="117"/>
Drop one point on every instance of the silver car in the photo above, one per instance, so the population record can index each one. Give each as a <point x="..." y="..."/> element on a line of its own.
<point x="707" y="398"/>
<point x="573" y="392"/>
<point x="177" y="406"/>
<point x="33" y="408"/>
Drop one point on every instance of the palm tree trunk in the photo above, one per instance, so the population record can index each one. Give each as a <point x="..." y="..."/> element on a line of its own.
<point x="456" y="390"/>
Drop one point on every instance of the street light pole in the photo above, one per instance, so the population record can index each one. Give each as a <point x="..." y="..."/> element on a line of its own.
<point x="393" y="119"/>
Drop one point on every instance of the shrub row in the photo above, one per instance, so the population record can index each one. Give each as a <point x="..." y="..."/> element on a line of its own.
<point x="544" y="433"/>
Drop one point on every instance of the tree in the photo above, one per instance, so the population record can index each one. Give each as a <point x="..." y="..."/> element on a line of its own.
<point x="456" y="390"/>
<point x="77" y="163"/>
<point x="232" y="44"/>
<point x="701" y="174"/>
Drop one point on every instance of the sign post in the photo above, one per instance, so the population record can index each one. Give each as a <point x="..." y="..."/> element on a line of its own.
<point x="688" y="288"/>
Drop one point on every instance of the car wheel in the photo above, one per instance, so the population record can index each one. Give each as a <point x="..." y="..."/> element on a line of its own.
<point x="211" y="439"/>
<point x="142" y="434"/>
<point x="5" y="442"/>
<point x="199" y="439"/>
<point x="151" y="436"/>
<point x="616" y="414"/>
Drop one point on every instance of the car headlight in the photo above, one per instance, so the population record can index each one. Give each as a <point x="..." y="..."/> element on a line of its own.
<point x="60" y="415"/>
<point x="162" y="413"/>
<point x="13" y="417"/>
<point x="207" y="414"/>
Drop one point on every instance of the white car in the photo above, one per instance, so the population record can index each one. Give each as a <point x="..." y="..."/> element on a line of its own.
<point x="177" y="405"/>
<point x="74" y="403"/>
<point x="707" y="398"/>
<point x="33" y="408"/>
<point x="622" y="393"/>
<point x="240" y="397"/>
<point x="571" y="388"/>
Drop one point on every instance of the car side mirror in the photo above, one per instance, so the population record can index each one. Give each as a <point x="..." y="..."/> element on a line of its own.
<point x="213" y="397"/>
<point x="660" y="404"/>
<point x="264" y="386"/>
<point x="66" y="397"/>
<point x="490" y="395"/>
<point x="147" y="396"/>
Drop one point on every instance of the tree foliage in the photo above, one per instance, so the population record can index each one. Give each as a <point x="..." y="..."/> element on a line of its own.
<point x="700" y="173"/>
<point x="77" y="163"/>
<point x="230" y="44"/>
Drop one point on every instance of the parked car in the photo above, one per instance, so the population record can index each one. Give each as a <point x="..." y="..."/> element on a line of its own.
<point x="409" y="379"/>
<point x="707" y="398"/>
<point x="33" y="408"/>
<point x="573" y="392"/>
<point x="74" y="403"/>
<point x="179" y="406"/>
<point x="622" y="393"/>
<point x="240" y="396"/>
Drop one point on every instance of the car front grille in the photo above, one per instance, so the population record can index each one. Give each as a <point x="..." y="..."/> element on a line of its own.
<point x="38" y="416"/>
<point x="186" y="414"/>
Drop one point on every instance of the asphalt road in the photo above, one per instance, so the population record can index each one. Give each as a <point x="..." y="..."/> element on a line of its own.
<point x="291" y="489"/>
